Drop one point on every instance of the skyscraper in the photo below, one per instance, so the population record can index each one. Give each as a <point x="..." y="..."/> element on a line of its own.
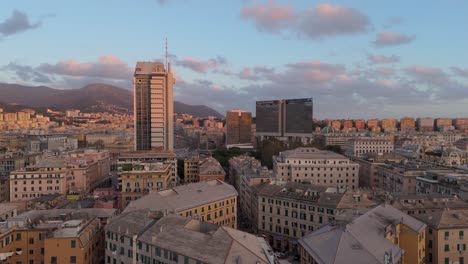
<point x="153" y="106"/>
<point x="239" y="127"/>
<point x="284" y="118"/>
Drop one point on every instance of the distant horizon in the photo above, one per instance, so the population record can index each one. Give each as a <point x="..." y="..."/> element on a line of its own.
<point x="355" y="58"/>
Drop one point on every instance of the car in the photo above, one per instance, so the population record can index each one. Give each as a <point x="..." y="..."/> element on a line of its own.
<point x="281" y="255"/>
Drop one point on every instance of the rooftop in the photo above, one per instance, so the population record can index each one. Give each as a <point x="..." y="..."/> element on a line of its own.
<point x="446" y="218"/>
<point x="309" y="153"/>
<point x="146" y="67"/>
<point x="184" y="197"/>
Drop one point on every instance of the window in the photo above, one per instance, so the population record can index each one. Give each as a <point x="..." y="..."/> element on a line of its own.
<point x="461" y="234"/>
<point x="73" y="259"/>
<point x="73" y="243"/>
<point x="446" y="248"/>
<point x="447" y="261"/>
<point x="461" y="260"/>
<point x="447" y="233"/>
<point x="53" y="260"/>
<point x="429" y="245"/>
<point x="31" y="240"/>
<point x="18" y="236"/>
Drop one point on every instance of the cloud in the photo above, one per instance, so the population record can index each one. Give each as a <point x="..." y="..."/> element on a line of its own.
<point x="381" y="59"/>
<point x="460" y="71"/>
<point x="253" y="73"/>
<point x="17" y="22"/>
<point x="426" y="74"/>
<point x="392" y="39"/>
<point x="320" y="21"/>
<point x="325" y="20"/>
<point x="269" y="16"/>
<point x="201" y="66"/>
<point x="384" y="71"/>
<point x="107" y="66"/>
<point x="27" y="73"/>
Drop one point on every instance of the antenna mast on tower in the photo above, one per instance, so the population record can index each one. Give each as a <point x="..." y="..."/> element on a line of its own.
<point x="166" y="55"/>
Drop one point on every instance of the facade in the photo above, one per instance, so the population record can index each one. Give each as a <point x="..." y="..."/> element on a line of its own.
<point x="320" y="167"/>
<point x="143" y="236"/>
<point x="191" y="169"/>
<point x="445" y="236"/>
<point x="44" y="178"/>
<point x="372" y="123"/>
<point x="89" y="168"/>
<point x="336" y="124"/>
<point x="425" y="124"/>
<point x="290" y="211"/>
<point x="461" y="124"/>
<point x="246" y="175"/>
<point x="126" y="161"/>
<point x="238" y="124"/>
<point x="382" y="235"/>
<point x="143" y="178"/>
<point x="389" y="125"/>
<point x="407" y="124"/>
<point x="291" y="118"/>
<point x="9" y="162"/>
<point x="54" y="236"/>
<point x="359" y="147"/>
<point x="368" y="167"/>
<point x="443" y="122"/>
<point x="7" y="211"/>
<point x="212" y="201"/>
<point x="210" y="169"/>
<point x="153" y="106"/>
<point x="399" y="178"/>
<point x="359" y="124"/>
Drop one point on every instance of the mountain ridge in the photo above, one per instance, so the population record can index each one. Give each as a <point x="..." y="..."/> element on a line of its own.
<point x="92" y="97"/>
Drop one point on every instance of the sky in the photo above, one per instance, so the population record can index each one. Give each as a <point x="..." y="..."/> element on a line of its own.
<point x="356" y="59"/>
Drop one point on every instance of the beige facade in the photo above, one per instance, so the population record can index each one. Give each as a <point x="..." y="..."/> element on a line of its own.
<point x="324" y="168"/>
<point x="396" y="178"/>
<point x="359" y="147"/>
<point x="389" y="125"/>
<point x="289" y="212"/>
<point x="238" y="124"/>
<point x="38" y="180"/>
<point x="143" y="178"/>
<point x="191" y="170"/>
<point x="211" y="201"/>
<point x="445" y="236"/>
<point x="407" y="124"/>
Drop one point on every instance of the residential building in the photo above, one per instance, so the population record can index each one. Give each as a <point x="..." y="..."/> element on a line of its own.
<point x="143" y="236"/>
<point x="443" y="122"/>
<point x="461" y="124"/>
<point x="127" y="160"/>
<point x="359" y="124"/>
<point x="153" y="106"/>
<point x="54" y="236"/>
<point x="247" y="174"/>
<point x="142" y="178"/>
<point x="7" y="211"/>
<point x="368" y="164"/>
<point x="407" y="124"/>
<point x="425" y="124"/>
<point x="320" y="167"/>
<point x="211" y="201"/>
<point x="44" y="178"/>
<point x="11" y="161"/>
<point x="191" y="169"/>
<point x="445" y="236"/>
<point x="348" y="124"/>
<point x="372" y="124"/>
<point x="290" y="211"/>
<point x="336" y="124"/>
<point x="416" y="204"/>
<point x="382" y="235"/>
<point x="389" y="125"/>
<point x="399" y="178"/>
<point x="238" y="124"/>
<point x="358" y="147"/>
<point x="210" y="169"/>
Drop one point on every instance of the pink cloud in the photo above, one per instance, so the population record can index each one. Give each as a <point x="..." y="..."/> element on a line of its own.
<point x="269" y="16"/>
<point x="201" y="66"/>
<point x="392" y="39"/>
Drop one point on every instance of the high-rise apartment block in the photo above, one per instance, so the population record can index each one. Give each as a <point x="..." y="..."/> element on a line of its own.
<point x="359" y="124"/>
<point x="443" y="122"/>
<point x="284" y="118"/>
<point x="425" y="124"/>
<point x="389" y="125"/>
<point x="239" y="127"/>
<point x="153" y="106"/>
<point x="407" y="124"/>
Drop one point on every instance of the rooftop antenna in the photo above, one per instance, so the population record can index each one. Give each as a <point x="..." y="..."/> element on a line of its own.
<point x="166" y="55"/>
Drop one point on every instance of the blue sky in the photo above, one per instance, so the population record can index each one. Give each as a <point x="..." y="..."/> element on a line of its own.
<point x="361" y="58"/>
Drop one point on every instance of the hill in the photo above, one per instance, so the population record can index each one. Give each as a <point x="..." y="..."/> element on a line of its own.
<point x="90" y="98"/>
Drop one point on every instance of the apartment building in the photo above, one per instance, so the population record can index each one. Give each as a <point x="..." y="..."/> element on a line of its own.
<point x="143" y="236"/>
<point x="11" y="161"/>
<point x="211" y="201"/>
<point x="54" y="236"/>
<point x="210" y="169"/>
<point x="88" y="169"/>
<point x="127" y="160"/>
<point x="445" y="236"/>
<point x="407" y="124"/>
<point x="247" y="174"/>
<point x="7" y="211"/>
<point x="358" y="147"/>
<point x="382" y="235"/>
<point x="389" y="125"/>
<point x="191" y="169"/>
<point x="143" y="178"/>
<point x="368" y="164"/>
<point x="44" y="178"/>
<point x="289" y="212"/>
<point x="320" y="167"/>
